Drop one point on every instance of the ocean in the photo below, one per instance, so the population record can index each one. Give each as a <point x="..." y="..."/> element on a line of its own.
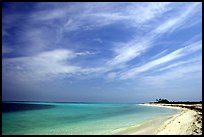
<point x="43" y="118"/>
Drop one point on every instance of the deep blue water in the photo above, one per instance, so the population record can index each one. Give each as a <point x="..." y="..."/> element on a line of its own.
<point x="12" y="107"/>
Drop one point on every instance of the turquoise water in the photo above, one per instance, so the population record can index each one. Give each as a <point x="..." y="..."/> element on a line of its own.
<point x="76" y="118"/>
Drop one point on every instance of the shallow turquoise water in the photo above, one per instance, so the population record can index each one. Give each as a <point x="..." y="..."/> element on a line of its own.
<point x="78" y="118"/>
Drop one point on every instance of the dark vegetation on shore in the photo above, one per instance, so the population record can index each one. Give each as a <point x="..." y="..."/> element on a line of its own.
<point x="183" y="104"/>
<point x="176" y="102"/>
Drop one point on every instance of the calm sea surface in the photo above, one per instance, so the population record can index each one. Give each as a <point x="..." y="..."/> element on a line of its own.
<point x="75" y="118"/>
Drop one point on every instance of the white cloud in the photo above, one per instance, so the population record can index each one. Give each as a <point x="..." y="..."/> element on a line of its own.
<point x="85" y="53"/>
<point x="159" y="54"/>
<point x="181" y="73"/>
<point x="178" y="64"/>
<point x="94" y="16"/>
<point x="47" y="15"/>
<point x="175" y="22"/>
<point x="42" y="66"/>
<point x="35" y="40"/>
<point x="125" y="52"/>
<point x="128" y="51"/>
<point x="144" y="12"/>
<point x="167" y="58"/>
<point x="61" y="44"/>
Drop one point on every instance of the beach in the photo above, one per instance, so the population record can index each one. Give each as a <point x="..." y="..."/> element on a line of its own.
<point x="187" y="122"/>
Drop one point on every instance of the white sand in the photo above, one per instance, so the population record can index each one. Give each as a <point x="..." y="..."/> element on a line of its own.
<point x="187" y="122"/>
<point x="148" y="128"/>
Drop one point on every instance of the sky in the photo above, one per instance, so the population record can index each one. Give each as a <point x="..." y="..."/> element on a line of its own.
<point x="101" y="51"/>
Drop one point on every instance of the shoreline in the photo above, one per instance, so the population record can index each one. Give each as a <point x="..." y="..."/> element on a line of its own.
<point x="148" y="127"/>
<point x="187" y="122"/>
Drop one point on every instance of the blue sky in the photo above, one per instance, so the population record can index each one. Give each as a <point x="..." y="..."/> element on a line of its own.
<point x="102" y="52"/>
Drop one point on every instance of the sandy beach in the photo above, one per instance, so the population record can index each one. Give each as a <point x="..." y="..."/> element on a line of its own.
<point x="187" y="122"/>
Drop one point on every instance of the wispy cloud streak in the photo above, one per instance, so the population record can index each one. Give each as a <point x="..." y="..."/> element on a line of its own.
<point x="45" y="65"/>
<point x="138" y="46"/>
<point x="167" y="58"/>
